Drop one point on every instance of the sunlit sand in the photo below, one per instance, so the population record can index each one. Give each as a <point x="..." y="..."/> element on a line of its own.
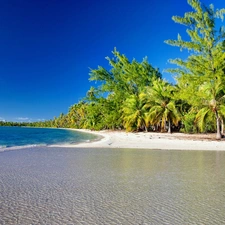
<point x="151" y="140"/>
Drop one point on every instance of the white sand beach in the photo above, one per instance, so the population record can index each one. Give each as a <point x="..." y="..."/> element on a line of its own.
<point x="150" y="140"/>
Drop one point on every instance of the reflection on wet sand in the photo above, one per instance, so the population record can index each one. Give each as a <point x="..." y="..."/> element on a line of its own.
<point x="111" y="186"/>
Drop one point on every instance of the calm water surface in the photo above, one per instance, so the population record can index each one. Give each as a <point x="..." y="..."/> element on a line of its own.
<point x="111" y="186"/>
<point x="11" y="137"/>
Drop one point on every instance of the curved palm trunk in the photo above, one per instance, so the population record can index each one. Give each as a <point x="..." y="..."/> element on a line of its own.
<point x="222" y="126"/>
<point x="169" y="127"/>
<point x="218" y="133"/>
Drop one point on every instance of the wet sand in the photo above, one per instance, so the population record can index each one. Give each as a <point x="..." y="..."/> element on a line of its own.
<point x="99" y="186"/>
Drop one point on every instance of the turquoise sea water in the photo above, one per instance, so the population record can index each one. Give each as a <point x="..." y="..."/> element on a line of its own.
<point x="23" y="136"/>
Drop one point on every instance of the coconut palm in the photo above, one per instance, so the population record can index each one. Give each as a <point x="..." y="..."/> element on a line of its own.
<point x="212" y="98"/>
<point x="134" y="113"/>
<point x="77" y="115"/>
<point x="205" y="65"/>
<point x="161" y="105"/>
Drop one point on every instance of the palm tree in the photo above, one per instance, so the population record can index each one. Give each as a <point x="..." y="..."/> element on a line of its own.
<point x="211" y="97"/>
<point x="134" y="113"/>
<point x="77" y="115"/>
<point x="161" y="104"/>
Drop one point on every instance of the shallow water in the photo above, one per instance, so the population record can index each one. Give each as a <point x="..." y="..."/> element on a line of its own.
<point x="11" y="137"/>
<point x="111" y="186"/>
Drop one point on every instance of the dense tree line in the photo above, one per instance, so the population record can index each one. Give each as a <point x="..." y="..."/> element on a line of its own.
<point x="133" y="96"/>
<point x="28" y="124"/>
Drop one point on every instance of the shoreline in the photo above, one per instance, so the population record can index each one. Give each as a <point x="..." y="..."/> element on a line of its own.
<point x="150" y="140"/>
<point x="140" y="140"/>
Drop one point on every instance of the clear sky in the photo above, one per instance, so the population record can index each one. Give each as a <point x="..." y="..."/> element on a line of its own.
<point x="48" y="46"/>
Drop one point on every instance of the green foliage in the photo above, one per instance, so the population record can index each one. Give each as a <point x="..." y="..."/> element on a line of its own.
<point x="123" y="82"/>
<point x="124" y="77"/>
<point x="205" y="120"/>
<point x="134" y="113"/>
<point x="189" y="123"/>
<point x="162" y="105"/>
<point x="202" y="73"/>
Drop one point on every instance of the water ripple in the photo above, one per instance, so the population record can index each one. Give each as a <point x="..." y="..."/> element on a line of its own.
<point x="107" y="186"/>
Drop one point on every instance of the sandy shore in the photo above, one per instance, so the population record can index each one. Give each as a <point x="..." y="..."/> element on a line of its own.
<point x="163" y="141"/>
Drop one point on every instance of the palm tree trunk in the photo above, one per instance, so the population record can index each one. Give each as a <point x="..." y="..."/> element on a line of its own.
<point x="218" y="133"/>
<point x="146" y="129"/>
<point x="164" y="125"/>
<point x="169" y="127"/>
<point x="222" y="126"/>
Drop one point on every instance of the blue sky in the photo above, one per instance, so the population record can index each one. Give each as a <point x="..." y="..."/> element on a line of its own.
<point x="48" y="46"/>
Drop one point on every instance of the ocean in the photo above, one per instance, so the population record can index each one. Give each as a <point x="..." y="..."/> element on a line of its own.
<point x="26" y="137"/>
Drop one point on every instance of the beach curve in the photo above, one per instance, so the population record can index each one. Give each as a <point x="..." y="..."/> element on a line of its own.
<point x="151" y="140"/>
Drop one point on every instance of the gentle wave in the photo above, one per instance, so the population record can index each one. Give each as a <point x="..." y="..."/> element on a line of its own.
<point x="4" y="148"/>
<point x="12" y="138"/>
<point x="12" y="148"/>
